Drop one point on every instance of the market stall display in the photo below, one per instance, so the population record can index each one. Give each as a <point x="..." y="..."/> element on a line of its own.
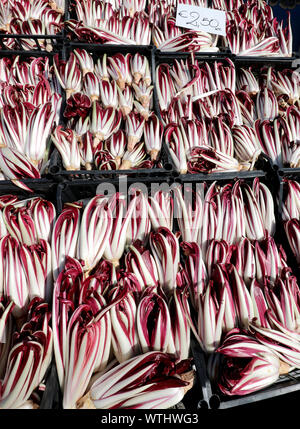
<point x="149" y="205"/>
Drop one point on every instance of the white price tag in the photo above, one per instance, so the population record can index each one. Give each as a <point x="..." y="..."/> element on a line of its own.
<point x="201" y="19"/>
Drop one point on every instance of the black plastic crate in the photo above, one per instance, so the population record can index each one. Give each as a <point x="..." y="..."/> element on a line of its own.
<point x="264" y="163"/>
<point x="289" y="173"/>
<point x="60" y="175"/>
<point x="41" y="187"/>
<point x="284" y="175"/>
<point x="212" y="398"/>
<point x="204" y="394"/>
<point x="256" y="63"/>
<point x="54" y="41"/>
<point x="209" y="394"/>
<point x="69" y="192"/>
<point x="269" y="61"/>
<point x="28" y="54"/>
<point x="169" y="57"/>
<point x="23" y="55"/>
<point x="286" y="384"/>
<point x="70" y="37"/>
<point x="73" y="190"/>
<point x="278" y="64"/>
<point x="203" y="390"/>
<point x="95" y="49"/>
<point x="56" y="169"/>
<point x="52" y="396"/>
<point x="47" y="190"/>
<point x="71" y="15"/>
<point x="264" y="170"/>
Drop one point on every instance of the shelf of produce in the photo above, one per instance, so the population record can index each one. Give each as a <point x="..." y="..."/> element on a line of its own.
<point x="163" y="164"/>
